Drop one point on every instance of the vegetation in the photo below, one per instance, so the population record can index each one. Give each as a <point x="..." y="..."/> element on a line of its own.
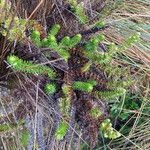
<point x="73" y="81"/>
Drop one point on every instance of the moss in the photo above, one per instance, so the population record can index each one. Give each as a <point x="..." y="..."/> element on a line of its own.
<point x="111" y="94"/>
<point x="108" y="131"/>
<point x="83" y="86"/>
<point x="95" y="112"/>
<point x="61" y="130"/>
<point x="29" y="67"/>
<point x="35" y="37"/>
<point x="75" y="40"/>
<point x="50" y="88"/>
<point x="54" y="30"/>
<point x="25" y="137"/>
<point x="79" y="11"/>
